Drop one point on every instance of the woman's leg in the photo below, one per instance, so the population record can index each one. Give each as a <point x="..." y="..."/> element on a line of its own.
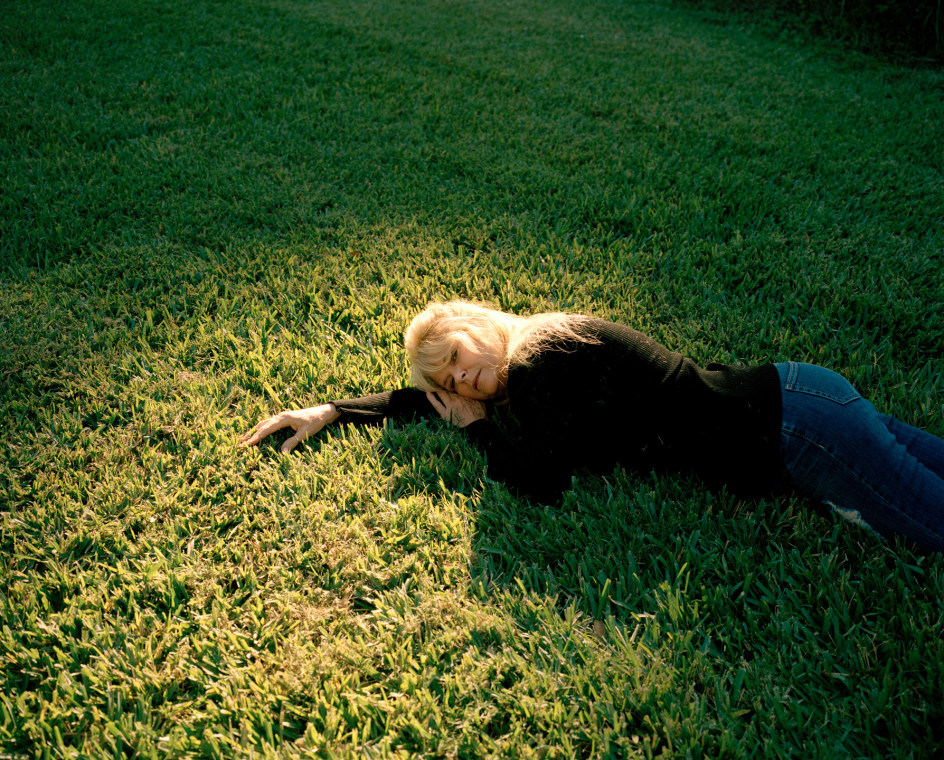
<point x="839" y="450"/>
<point x="926" y="448"/>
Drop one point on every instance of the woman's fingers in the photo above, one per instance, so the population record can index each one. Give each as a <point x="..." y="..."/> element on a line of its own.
<point x="442" y="404"/>
<point x="303" y="429"/>
<point x="456" y="409"/>
<point x="437" y="403"/>
<point x="264" y="429"/>
<point x="292" y="442"/>
<point x="253" y="436"/>
<point x="246" y="436"/>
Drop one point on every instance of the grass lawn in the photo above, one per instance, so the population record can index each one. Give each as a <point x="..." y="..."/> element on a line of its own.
<point x="211" y="211"/>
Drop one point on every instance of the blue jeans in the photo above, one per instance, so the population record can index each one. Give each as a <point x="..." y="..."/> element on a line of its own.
<point x="870" y="468"/>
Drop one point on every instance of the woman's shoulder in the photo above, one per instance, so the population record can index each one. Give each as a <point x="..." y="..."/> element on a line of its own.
<point x="617" y="334"/>
<point x="602" y="345"/>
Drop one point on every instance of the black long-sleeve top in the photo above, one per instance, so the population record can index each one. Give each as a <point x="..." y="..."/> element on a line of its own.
<point x="625" y="400"/>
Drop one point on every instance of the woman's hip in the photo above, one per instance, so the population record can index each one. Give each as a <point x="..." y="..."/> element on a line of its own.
<point x="837" y="448"/>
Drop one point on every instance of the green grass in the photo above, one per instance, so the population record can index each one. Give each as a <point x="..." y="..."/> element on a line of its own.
<point x="906" y="31"/>
<point x="214" y="210"/>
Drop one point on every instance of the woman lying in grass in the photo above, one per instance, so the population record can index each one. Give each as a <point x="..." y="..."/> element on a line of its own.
<point x="546" y="395"/>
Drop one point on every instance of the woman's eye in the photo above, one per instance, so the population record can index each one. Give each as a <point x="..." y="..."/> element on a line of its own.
<point x="455" y="355"/>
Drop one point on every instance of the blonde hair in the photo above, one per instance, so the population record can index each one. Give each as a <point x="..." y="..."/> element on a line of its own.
<point x="437" y="331"/>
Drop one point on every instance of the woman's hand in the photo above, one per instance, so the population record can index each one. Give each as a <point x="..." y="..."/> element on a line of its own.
<point x="305" y="423"/>
<point x="458" y="410"/>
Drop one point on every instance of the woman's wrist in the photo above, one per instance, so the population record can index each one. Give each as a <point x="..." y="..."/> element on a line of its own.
<point x="332" y="413"/>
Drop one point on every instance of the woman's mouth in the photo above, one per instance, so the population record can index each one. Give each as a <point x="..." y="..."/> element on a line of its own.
<point x="475" y="383"/>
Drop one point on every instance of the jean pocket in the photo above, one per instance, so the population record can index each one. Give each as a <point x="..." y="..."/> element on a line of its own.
<point x="819" y="381"/>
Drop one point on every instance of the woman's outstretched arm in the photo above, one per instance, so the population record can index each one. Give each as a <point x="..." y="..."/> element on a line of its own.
<point x="405" y="404"/>
<point x="305" y="423"/>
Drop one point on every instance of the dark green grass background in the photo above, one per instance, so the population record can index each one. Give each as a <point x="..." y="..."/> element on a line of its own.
<point x="908" y="30"/>
<point x="210" y="211"/>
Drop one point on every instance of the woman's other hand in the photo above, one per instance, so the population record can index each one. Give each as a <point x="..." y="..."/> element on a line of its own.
<point x="458" y="410"/>
<point x="305" y="423"/>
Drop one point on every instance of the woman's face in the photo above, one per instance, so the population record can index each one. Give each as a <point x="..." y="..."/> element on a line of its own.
<point x="472" y="372"/>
